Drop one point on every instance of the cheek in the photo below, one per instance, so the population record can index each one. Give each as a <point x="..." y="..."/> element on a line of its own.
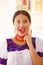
<point x="27" y="29"/>
<point x="16" y="26"/>
<point x="27" y="25"/>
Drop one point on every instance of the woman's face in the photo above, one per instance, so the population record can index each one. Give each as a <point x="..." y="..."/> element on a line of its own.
<point x="21" y="24"/>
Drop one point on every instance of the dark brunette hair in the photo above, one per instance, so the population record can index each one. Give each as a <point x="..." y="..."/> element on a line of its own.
<point x="22" y="12"/>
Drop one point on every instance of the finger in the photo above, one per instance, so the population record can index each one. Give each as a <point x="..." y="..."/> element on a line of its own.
<point x="30" y="33"/>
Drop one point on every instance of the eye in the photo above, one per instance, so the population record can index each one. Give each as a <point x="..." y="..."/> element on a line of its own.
<point x="25" y="21"/>
<point x="18" y="21"/>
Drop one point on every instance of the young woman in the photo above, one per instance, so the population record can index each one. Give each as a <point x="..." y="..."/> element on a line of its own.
<point x="22" y="49"/>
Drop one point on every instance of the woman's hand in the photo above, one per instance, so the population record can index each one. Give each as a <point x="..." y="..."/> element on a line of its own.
<point x="28" y="38"/>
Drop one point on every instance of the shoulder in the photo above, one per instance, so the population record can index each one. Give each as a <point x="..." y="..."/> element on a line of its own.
<point x="33" y="41"/>
<point x="5" y="42"/>
<point x="39" y="44"/>
<point x="37" y="40"/>
<point x="3" y="49"/>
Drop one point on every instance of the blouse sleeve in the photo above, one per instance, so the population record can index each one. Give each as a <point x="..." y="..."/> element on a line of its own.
<point x="3" y="52"/>
<point x="39" y="46"/>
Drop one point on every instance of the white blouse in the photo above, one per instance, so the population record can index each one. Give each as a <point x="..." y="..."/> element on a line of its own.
<point x="12" y="54"/>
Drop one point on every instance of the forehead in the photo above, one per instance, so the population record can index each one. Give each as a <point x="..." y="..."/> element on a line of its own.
<point x="21" y="16"/>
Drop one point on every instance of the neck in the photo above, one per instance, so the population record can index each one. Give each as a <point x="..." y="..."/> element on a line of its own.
<point x="19" y="40"/>
<point x="19" y="37"/>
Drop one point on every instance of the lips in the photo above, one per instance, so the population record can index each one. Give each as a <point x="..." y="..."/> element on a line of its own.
<point x="22" y="30"/>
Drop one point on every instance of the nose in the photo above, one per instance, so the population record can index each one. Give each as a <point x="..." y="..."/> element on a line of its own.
<point x="21" y="24"/>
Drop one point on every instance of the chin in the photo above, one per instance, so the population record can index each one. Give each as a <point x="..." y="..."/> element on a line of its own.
<point x="21" y="34"/>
